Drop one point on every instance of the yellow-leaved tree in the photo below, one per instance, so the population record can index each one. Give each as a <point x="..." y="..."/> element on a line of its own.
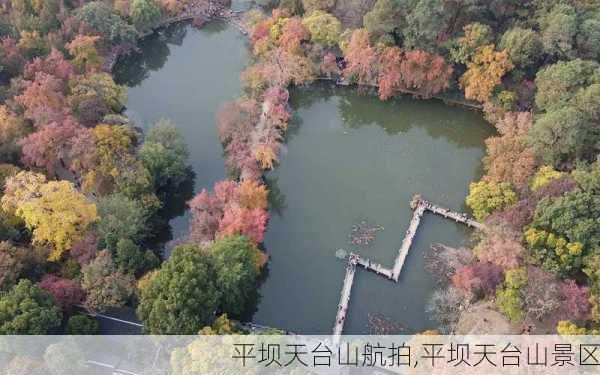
<point x="486" y="197"/>
<point x="55" y="212"/>
<point x="484" y="73"/>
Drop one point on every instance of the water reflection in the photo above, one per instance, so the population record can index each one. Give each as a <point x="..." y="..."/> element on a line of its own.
<point x="173" y="200"/>
<point x="276" y="198"/>
<point x="152" y="54"/>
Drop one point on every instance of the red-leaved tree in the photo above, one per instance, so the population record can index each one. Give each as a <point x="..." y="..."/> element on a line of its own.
<point x="293" y="34"/>
<point x="501" y="246"/>
<point x="53" y="64"/>
<point x="51" y="144"/>
<point x="66" y="292"/>
<point x="249" y="223"/>
<point x="478" y="280"/>
<point x="361" y="58"/>
<point x="233" y="208"/>
<point x="576" y="303"/>
<point x="426" y="73"/>
<point x="43" y="99"/>
<point x="329" y="65"/>
<point x="390" y="76"/>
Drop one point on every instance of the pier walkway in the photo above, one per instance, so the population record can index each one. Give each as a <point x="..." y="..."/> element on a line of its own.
<point x="340" y="317"/>
<point x="407" y="241"/>
<point x="375" y="267"/>
<point x="419" y="206"/>
<point x="448" y="214"/>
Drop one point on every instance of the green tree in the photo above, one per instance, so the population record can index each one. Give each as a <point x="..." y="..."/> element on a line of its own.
<point x="104" y="284"/>
<point x="559" y="83"/>
<point x="101" y="17"/>
<point x="575" y="215"/>
<point x="120" y="218"/>
<point x="183" y="296"/>
<point x="558" y="29"/>
<point x="28" y="310"/>
<point x="588" y="39"/>
<point x="99" y="87"/>
<point x="563" y="135"/>
<point x="523" y="46"/>
<point x="235" y="266"/>
<point x="82" y="325"/>
<point x="510" y="302"/>
<point x="588" y="177"/>
<point x="164" y="154"/>
<point x="383" y="18"/>
<point x="144" y="13"/>
<point x="587" y="101"/>
<point x="323" y="27"/>
<point x="569" y="92"/>
<point x="554" y="253"/>
<point x="130" y="259"/>
<point x="424" y="22"/>
<point x="476" y="35"/>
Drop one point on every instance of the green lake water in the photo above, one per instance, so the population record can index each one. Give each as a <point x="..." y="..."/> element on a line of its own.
<point x="348" y="158"/>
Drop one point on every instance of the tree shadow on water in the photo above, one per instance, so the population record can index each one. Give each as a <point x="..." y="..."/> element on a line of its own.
<point x="174" y="200"/>
<point x="151" y="55"/>
<point x="276" y="198"/>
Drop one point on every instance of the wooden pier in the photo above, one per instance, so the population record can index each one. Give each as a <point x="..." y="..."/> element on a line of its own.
<point x="340" y="317"/>
<point x="375" y="267"/>
<point x="419" y="206"/>
<point x="408" y="240"/>
<point x="448" y="214"/>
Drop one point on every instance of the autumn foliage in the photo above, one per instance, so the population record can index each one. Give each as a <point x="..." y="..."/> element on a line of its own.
<point x="508" y="156"/>
<point x="361" y="58"/>
<point x="484" y="73"/>
<point x="390" y="73"/>
<point x="233" y="208"/>
<point x="478" y="279"/>
<point x="55" y="212"/>
<point x="66" y="292"/>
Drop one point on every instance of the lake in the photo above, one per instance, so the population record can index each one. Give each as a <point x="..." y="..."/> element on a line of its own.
<point x="349" y="158"/>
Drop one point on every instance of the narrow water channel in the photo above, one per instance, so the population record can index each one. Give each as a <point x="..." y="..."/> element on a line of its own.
<point x="348" y="158"/>
<point x="185" y="75"/>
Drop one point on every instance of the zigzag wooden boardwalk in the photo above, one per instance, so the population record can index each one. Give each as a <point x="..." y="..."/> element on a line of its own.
<point x="419" y="206"/>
